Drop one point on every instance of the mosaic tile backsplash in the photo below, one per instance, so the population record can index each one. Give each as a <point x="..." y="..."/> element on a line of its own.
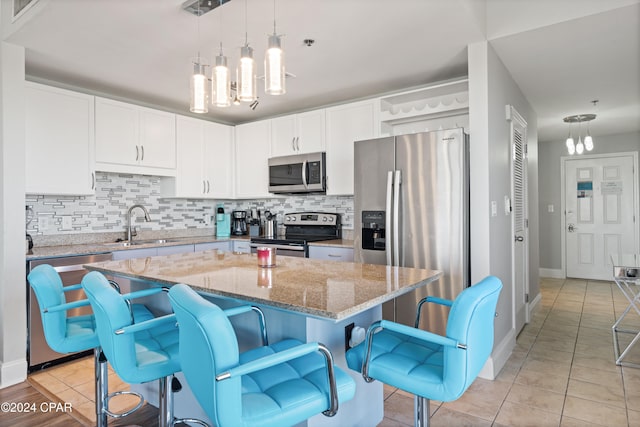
<point x="116" y="193"/>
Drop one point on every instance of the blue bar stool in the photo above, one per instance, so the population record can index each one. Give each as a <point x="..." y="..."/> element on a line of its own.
<point x="71" y="334"/>
<point x="138" y="352"/>
<point x="428" y="365"/>
<point x="275" y="385"/>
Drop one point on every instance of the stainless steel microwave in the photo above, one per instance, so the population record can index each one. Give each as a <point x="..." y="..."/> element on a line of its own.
<point x="298" y="173"/>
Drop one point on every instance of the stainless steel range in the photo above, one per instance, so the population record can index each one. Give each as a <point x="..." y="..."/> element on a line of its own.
<point x="300" y="229"/>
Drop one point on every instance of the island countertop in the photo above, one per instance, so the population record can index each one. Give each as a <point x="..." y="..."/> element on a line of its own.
<point x="327" y="290"/>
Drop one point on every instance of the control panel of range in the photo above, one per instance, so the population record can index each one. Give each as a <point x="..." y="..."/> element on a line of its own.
<point x="312" y="218"/>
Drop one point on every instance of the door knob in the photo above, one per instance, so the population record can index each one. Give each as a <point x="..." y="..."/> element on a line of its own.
<point x="519" y="239"/>
<point x="571" y="228"/>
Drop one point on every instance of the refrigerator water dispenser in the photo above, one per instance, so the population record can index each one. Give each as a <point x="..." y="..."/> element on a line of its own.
<point x="373" y="227"/>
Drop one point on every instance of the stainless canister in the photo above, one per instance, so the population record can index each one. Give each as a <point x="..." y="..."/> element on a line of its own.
<point x="270" y="228"/>
<point x="266" y="256"/>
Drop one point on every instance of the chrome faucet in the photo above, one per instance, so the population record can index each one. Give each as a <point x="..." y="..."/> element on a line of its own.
<point x="146" y="218"/>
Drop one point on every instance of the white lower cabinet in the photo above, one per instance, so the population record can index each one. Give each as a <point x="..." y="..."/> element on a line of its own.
<point x="331" y="253"/>
<point x="223" y="246"/>
<point x="241" y="246"/>
<point x="170" y="250"/>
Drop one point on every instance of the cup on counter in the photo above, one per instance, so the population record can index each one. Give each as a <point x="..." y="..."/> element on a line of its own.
<point x="266" y="256"/>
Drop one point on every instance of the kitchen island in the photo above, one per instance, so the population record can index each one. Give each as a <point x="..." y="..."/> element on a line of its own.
<point x="311" y="300"/>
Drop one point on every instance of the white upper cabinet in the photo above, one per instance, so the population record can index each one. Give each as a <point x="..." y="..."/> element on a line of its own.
<point x="218" y="159"/>
<point x="134" y="139"/>
<point x="298" y="133"/>
<point x="59" y="136"/>
<point x="204" y="160"/>
<point x="251" y="154"/>
<point x="346" y="124"/>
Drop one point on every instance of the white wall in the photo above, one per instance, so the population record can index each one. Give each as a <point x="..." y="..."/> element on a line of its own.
<point x="551" y="224"/>
<point x="13" y="317"/>
<point x="491" y="88"/>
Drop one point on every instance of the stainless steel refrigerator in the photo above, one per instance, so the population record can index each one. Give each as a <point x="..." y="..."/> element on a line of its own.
<point x="412" y="209"/>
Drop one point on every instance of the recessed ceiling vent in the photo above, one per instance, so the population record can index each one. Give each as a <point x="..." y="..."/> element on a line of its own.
<point x="200" y="7"/>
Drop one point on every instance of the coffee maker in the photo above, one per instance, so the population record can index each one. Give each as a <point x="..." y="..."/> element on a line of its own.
<point x="239" y="223"/>
<point x="222" y="222"/>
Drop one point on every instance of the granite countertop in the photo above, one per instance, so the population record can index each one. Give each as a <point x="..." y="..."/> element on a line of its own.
<point x="55" y="251"/>
<point x="71" y="248"/>
<point x="296" y="284"/>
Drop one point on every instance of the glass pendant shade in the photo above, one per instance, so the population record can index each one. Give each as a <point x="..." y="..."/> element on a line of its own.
<point x="246" y="75"/>
<point x="221" y="83"/>
<point x="588" y="142"/>
<point x="570" y="143"/>
<point x="571" y="149"/>
<point x="274" y="67"/>
<point x="579" y="146"/>
<point x="199" y="93"/>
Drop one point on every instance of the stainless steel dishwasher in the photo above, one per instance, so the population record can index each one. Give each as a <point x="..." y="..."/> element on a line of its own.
<point x="39" y="354"/>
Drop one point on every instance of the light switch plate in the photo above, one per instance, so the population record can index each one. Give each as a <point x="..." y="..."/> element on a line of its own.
<point x="550" y="208"/>
<point x="494" y="208"/>
<point x="507" y="205"/>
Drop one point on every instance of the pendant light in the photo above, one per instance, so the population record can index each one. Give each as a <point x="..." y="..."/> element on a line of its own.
<point x="198" y="85"/>
<point x="199" y="93"/>
<point x="274" y="69"/>
<point x="581" y="145"/>
<point x="220" y="82"/>
<point x="246" y="72"/>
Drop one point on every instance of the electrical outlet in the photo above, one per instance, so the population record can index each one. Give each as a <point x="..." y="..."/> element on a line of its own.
<point x="207" y="219"/>
<point x="347" y="335"/>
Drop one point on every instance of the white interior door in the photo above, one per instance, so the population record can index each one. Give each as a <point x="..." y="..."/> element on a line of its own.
<point x="519" y="218"/>
<point x="600" y="205"/>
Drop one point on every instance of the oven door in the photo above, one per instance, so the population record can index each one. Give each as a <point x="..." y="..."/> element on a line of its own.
<point x="300" y="251"/>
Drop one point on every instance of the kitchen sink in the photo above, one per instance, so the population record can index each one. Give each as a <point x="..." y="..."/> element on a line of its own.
<point x="139" y="242"/>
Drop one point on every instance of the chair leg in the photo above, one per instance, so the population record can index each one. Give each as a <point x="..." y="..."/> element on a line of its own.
<point x="165" y="402"/>
<point x="421" y="415"/>
<point x="102" y="386"/>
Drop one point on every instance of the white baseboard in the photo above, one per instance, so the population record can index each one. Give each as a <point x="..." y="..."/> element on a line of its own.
<point x="13" y="372"/>
<point x="499" y="357"/>
<point x="553" y="273"/>
<point x="533" y="305"/>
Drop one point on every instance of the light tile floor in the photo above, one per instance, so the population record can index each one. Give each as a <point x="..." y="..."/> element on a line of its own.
<point x="561" y="373"/>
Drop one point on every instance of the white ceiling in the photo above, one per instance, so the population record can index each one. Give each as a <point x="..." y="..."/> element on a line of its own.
<point x="562" y="57"/>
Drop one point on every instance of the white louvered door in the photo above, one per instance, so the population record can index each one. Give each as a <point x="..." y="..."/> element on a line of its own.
<point x="519" y="220"/>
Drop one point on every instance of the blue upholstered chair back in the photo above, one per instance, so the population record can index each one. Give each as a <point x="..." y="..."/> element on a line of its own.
<point x="202" y="323"/>
<point x="47" y="285"/>
<point x="112" y="313"/>
<point x="470" y="322"/>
